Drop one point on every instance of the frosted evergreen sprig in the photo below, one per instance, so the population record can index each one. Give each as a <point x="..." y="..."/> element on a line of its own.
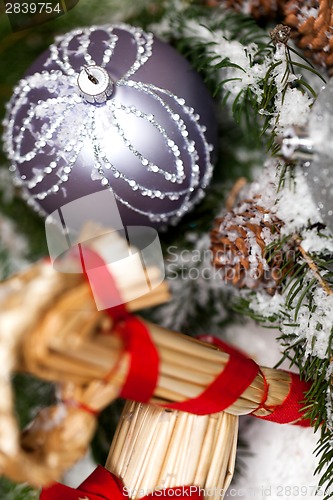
<point x="259" y="80"/>
<point x="303" y="309"/>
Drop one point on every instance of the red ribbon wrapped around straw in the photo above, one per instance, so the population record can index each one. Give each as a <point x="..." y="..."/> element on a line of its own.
<point x="143" y="372"/>
<point x="291" y="408"/>
<point x="102" y="485"/>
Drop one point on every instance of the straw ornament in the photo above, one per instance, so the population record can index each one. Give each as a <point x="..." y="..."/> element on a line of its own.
<point x="185" y="449"/>
<point x="61" y="434"/>
<point x="49" y="327"/>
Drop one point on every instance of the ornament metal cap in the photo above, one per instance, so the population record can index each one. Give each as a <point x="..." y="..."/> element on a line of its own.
<point x="296" y="144"/>
<point x="95" y="84"/>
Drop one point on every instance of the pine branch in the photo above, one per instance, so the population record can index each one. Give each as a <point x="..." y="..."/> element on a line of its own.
<point x="312" y="265"/>
<point x="11" y="491"/>
<point x="244" y="68"/>
<point x="316" y="402"/>
<point x="302" y="313"/>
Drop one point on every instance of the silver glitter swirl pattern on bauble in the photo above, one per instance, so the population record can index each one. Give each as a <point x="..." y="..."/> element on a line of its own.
<point x="145" y="142"/>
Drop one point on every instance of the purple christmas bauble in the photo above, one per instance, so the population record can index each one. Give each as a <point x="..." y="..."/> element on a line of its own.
<point x="112" y="107"/>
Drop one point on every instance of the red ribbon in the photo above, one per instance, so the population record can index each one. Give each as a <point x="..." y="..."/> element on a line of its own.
<point x="101" y="281"/>
<point x="228" y="386"/>
<point x="143" y="372"/>
<point x="291" y="411"/>
<point x="142" y="375"/>
<point x="102" y="485"/>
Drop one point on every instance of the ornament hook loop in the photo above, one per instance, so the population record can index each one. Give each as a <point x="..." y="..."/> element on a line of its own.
<point x="91" y="77"/>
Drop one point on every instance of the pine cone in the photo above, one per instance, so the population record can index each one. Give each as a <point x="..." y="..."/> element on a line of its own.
<point x="312" y="27"/>
<point x="239" y="241"/>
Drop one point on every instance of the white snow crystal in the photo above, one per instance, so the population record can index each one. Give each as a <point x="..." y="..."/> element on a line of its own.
<point x="295" y="205"/>
<point x="314" y="324"/>
<point x="294" y="108"/>
<point x="266" y="305"/>
<point x="312" y="241"/>
<point x="248" y="74"/>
